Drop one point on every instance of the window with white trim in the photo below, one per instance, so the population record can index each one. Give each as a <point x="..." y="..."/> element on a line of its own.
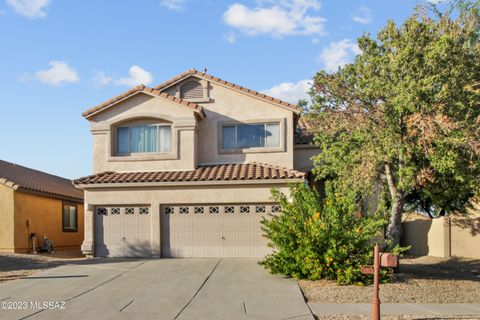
<point x="154" y="138"/>
<point x="214" y="210"/>
<point x="254" y="135"/>
<point x="260" y="209"/>
<point x="276" y="209"/>
<point x="244" y="209"/>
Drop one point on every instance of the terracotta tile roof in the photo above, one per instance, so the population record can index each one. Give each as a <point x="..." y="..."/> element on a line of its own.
<point x="304" y="132"/>
<point x="141" y="88"/>
<point x="26" y="179"/>
<point x="223" y="172"/>
<point x="206" y="76"/>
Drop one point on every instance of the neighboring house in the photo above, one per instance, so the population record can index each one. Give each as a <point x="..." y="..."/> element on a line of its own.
<point x="185" y="169"/>
<point x="32" y="201"/>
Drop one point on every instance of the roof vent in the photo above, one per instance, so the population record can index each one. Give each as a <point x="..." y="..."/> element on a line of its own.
<point x="192" y="90"/>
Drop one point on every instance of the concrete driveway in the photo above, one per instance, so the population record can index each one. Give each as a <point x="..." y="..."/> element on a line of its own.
<point x="154" y="289"/>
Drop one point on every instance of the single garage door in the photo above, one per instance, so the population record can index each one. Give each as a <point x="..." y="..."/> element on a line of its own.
<point x="214" y="230"/>
<point x="122" y="231"/>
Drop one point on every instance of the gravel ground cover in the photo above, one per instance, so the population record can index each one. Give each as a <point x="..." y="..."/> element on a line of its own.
<point x="419" y="280"/>
<point x="14" y="265"/>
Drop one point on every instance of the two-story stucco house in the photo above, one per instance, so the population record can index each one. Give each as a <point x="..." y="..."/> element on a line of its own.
<point x="185" y="169"/>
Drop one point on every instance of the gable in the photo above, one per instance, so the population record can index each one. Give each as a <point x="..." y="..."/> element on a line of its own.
<point x="142" y="105"/>
<point x="234" y="105"/>
<point x="170" y="87"/>
<point x="143" y="90"/>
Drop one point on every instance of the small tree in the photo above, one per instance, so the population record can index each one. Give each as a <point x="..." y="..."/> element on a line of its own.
<point x="406" y="112"/>
<point x="316" y="239"/>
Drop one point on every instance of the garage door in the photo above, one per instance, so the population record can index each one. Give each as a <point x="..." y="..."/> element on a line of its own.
<point x="122" y="231"/>
<point x="214" y="230"/>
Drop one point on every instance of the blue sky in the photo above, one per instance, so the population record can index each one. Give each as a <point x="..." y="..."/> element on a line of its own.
<point x="59" y="58"/>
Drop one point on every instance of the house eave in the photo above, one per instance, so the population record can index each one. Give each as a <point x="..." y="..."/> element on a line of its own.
<point x="189" y="183"/>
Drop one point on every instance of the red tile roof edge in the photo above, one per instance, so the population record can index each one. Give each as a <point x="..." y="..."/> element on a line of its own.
<point x="31" y="180"/>
<point x="141" y="88"/>
<point x="221" y="172"/>
<point x="207" y="76"/>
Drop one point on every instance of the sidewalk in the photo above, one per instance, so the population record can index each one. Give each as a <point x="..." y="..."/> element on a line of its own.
<point x="454" y="309"/>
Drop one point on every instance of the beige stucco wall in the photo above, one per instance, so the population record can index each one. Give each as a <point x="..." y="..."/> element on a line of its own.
<point x="182" y="156"/>
<point x="44" y="217"/>
<point x="6" y="218"/>
<point x="231" y="106"/>
<point x="456" y="235"/>
<point x="157" y="196"/>
<point x="197" y="139"/>
<point x="303" y="157"/>
<point x="465" y="234"/>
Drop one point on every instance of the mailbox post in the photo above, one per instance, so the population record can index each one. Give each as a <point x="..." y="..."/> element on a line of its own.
<point x="380" y="259"/>
<point x="376" y="282"/>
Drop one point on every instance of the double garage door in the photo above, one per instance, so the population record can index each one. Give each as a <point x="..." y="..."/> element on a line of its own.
<point x="188" y="230"/>
<point x="214" y="230"/>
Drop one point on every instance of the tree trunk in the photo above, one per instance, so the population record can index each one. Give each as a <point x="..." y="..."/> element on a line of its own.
<point x="394" y="229"/>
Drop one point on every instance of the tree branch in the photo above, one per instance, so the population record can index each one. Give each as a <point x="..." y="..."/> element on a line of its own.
<point x="391" y="182"/>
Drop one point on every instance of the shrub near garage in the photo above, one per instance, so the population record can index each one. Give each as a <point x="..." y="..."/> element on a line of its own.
<point x="315" y="239"/>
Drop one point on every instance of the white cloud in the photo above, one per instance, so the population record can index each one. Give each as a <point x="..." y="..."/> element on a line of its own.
<point x="29" y="8"/>
<point x="230" y="37"/>
<point x="176" y="5"/>
<point x="58" y="73"/>
<point x="281" y="18"/>
<point x="337" y="54"/>
<point x="101" y="79"/>
<point x="363" y="15"/>
<point x="289" y="91"/>
<point x="136" y="75"/>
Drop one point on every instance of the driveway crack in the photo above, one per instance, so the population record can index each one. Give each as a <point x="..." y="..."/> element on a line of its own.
<point x="91" y="289"/>
<point x="200" y="288"/>
<point x="126" y="306"/>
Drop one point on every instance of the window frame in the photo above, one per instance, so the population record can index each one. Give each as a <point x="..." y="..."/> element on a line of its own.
<point x="263" y="149"/>
<point x="70" y="204"/>
<point x="134" y="154"/>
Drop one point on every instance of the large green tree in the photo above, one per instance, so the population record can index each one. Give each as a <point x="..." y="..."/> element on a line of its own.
<point x="403" y="119"/>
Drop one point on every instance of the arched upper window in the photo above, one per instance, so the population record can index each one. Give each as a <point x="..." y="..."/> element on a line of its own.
<point x="143" y="136"/>
<point x="192" y="90"/>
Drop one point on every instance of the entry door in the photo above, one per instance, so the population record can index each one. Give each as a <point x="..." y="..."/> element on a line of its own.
<point x="214" y="230"/>
<point x="122" y="231"/>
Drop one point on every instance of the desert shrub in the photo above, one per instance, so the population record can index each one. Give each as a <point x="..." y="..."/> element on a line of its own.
<point x="320" y="239"/>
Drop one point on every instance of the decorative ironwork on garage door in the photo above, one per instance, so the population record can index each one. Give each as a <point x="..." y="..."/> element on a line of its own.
<point x="223" y="209"/>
